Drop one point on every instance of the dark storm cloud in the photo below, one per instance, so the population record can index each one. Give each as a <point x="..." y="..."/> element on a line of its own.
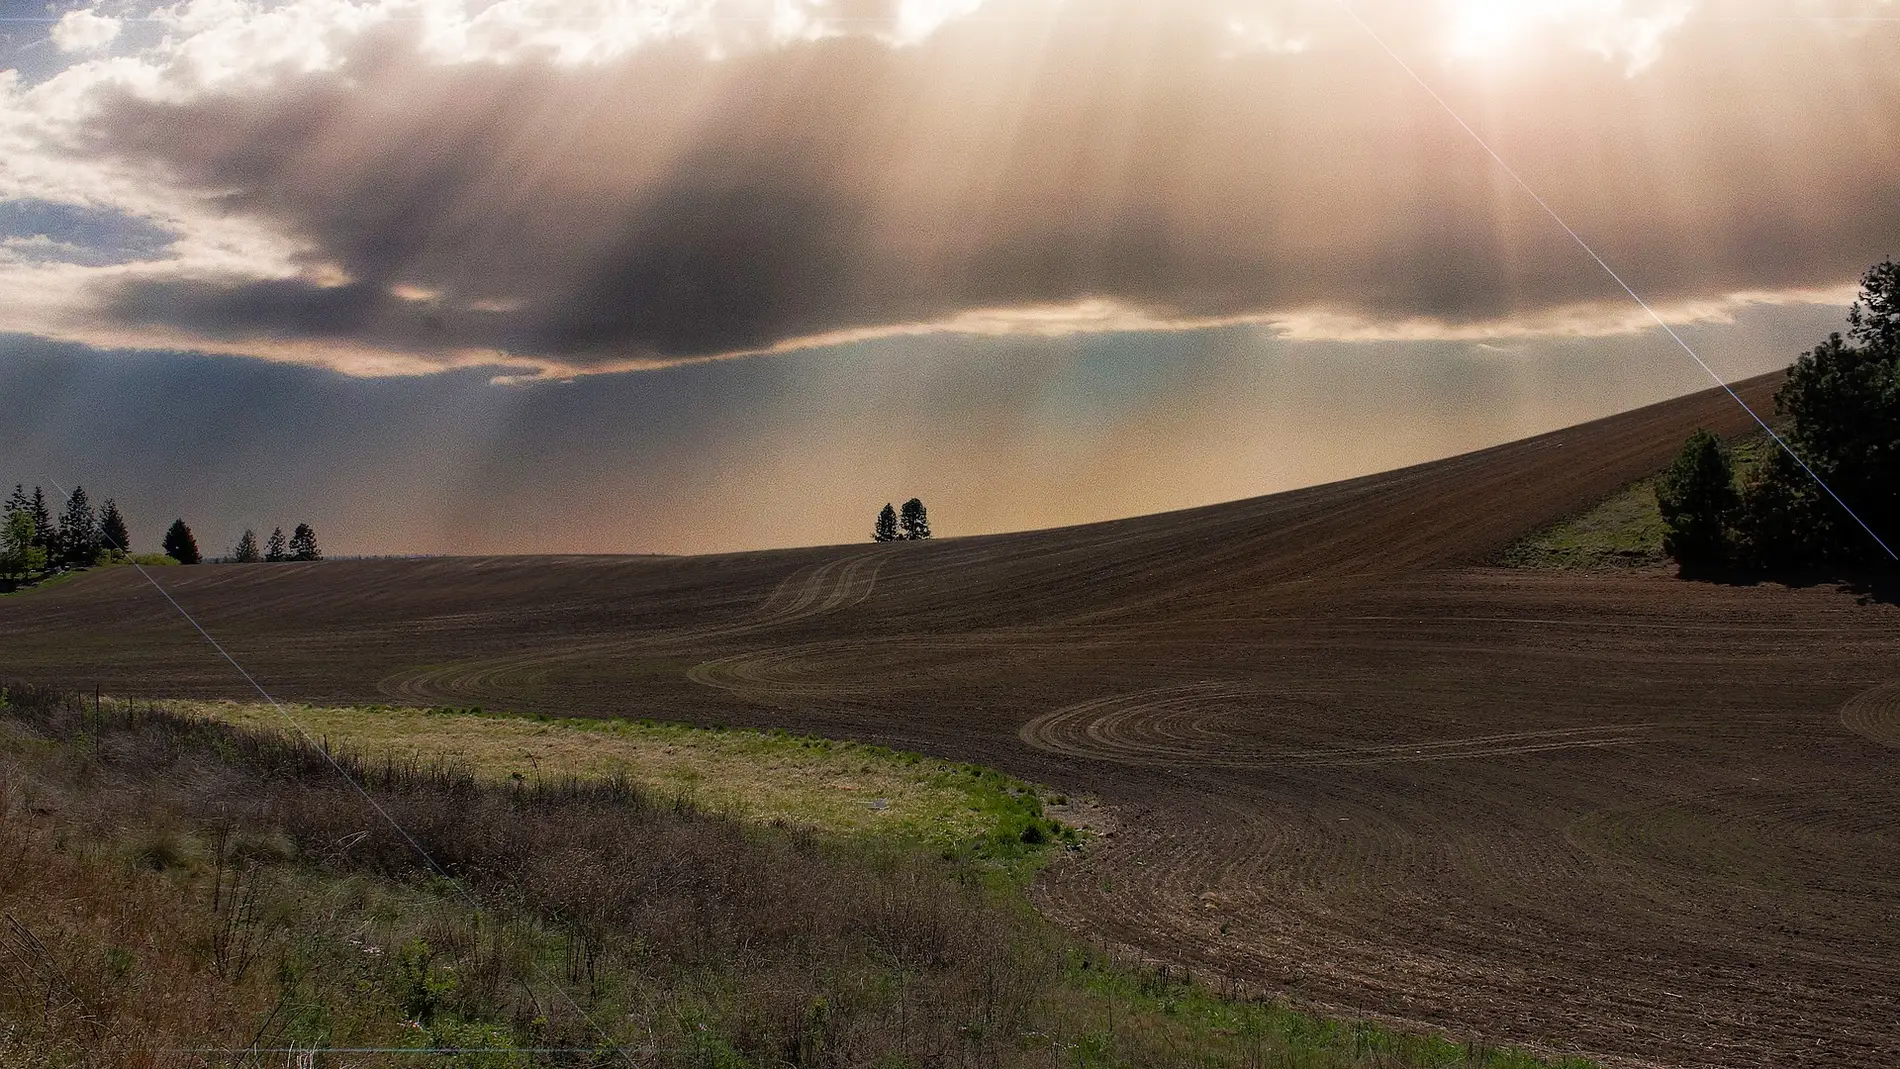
<point x="670" y="205"/>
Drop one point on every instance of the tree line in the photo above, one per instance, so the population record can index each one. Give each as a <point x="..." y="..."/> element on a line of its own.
<point x="34" y="545"/>
<point x="302" y="545"/>
<point x="913" y="525"/>
<point x="1840" y="412"/>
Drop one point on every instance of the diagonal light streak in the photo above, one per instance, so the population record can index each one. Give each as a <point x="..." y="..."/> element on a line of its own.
<point x="1608" y="270"/>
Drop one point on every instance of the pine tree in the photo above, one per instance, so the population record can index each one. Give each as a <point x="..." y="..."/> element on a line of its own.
<point x="246" y="551"/>
<point x="112" y="529"/>
<point x="886" y="529"/>
<point x="180" y="545"/>
<point x="45" y="535"/>
<point x="78" y="532"/>
<point x="303" y="543"/>
<point x="17" y="501"/>
<point x="274" y="550"/>
<point x="914" y="524"/>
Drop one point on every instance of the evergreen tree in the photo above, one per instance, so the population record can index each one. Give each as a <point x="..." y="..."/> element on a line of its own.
<point x="914" y="524"/>
<point x="303" y="544"/>
<point x="112" y="529"/>
<point x="78" y="532"/>
<point x="886" y="529"/>
<point x="180" y="545"/>
<point x="246" y="551"/>
<point x="45" y="535"/>
<point x="274" y="550"/>
<point x="17" y="501"/>
<point x="1697" y="499"/>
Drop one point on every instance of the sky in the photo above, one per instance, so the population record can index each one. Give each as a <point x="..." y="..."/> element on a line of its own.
<point x="695" y="275"/>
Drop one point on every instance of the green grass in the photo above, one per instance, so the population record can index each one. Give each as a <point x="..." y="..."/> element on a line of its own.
<point x="838" y="787"/>
<point x="1624" y="530"/>
<point x="1170" y="1019"/>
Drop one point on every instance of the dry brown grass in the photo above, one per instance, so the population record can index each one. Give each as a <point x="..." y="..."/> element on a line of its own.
<point x="690" y="937"/>
<point x="100" y="961"/>
<point x="172" y="883"/>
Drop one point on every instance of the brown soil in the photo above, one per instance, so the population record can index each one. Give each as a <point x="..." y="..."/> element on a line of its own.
<point x="1652" y="821"/>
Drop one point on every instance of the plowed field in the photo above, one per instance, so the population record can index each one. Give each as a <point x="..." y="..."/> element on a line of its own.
<point x="1652" y="821"/>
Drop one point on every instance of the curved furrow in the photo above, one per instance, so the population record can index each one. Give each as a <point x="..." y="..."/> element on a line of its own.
<point x="1875" y="714"/>
<point x="1205" y="725"/>
<point x="812" y="591"/>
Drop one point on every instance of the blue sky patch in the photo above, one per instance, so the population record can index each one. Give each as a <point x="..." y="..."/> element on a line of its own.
<point x="49" y="232"/>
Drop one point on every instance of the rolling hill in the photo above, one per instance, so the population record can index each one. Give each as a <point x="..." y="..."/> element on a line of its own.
<point x="1645" y="820"/>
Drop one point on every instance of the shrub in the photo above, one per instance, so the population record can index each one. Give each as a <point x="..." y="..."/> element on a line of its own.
<point x="1697" y="498"/>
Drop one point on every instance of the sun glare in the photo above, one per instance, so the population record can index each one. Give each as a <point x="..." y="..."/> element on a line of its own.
<point x="1505" y="31"/>
<point x="1488" y="29"/>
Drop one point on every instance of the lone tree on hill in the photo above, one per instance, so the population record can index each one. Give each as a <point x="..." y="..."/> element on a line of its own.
<point x="246" y="551"/>
<point x="112" y="529"/>
<point x="1697" y="499"/>
<point x="78" y="532"/>
<point x="886" y="529"/>
<point x="914" y="524"/>
<point x="274" y="550"/>
<point x="180" y="545"/>
<point x="303" y="543"/>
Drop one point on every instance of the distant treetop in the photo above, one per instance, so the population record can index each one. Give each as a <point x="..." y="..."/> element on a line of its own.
<point x="303" y="543"/>
<point x="914" y="523"/>
<point x="112" y="529"/>
<point x="246" y="551"/>
<point x="180" y="545"/>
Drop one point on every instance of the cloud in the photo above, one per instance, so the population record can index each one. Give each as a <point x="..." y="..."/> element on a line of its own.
<point x="527" y="190"/>
<point x="85" y="31"/>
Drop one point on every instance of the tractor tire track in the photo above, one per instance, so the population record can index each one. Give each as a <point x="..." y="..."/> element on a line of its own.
<point x="1875" y="714"/>
<point x="807" y="593"/>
